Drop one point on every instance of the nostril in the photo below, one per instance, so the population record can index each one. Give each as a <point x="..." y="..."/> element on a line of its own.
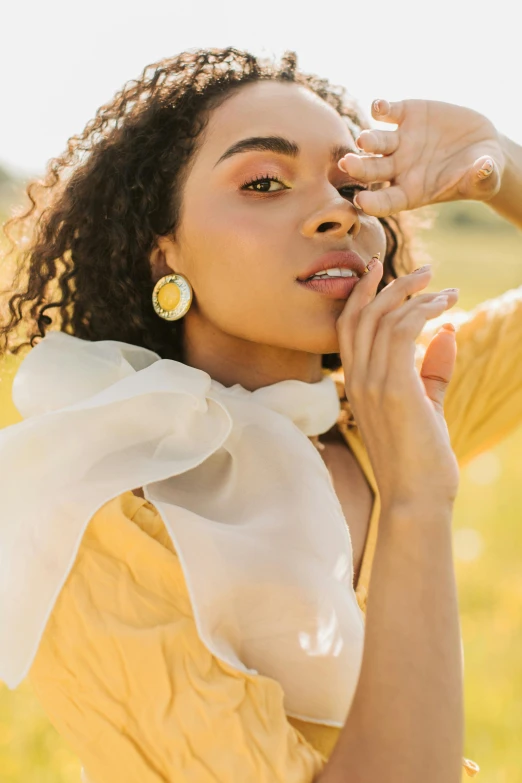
<point x="327" y="226"/>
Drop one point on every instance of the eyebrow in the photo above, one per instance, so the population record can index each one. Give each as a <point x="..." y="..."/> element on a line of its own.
<point x="278" y="145"/>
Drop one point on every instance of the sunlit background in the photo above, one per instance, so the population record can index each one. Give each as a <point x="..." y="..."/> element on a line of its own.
<point x="60" y="62"/>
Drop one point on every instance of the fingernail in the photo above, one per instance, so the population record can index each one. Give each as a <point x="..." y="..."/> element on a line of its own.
<point x="356" y="203"/>
<point x="373" y="262"/>
<point x="421" y="269"/>
<point x="448" y="327"/>
<point x="377" y="107"/>
<point x="450" y="290"/>
<point x="487" y="168"/>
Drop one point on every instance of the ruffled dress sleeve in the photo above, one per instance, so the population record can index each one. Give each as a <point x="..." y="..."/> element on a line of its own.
<point x="483" y="402"/>
<point x="123" y="676"/>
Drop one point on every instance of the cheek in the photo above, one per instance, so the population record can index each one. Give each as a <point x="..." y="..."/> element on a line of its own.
<point x="238" y="243"/>
<point x="376" y="230"/>
<point x="242" y="263"/>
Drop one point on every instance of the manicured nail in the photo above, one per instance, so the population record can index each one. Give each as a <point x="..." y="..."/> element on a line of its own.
<point x="373" y="262"/>
<point x="487" y="168"/>
<point x="422" y="269"/>
<point x="356" y="203"/>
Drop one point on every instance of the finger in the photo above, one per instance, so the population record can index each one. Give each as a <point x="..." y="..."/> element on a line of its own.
<point x="395" y="347"/>
<point x="379" y="142"/>
<point x="346" y="325"/>
<point x="360" y="319"/>
<point x="366" y="168"/>
<point x="382" y="202"/>
<point x="385" y="111"/>
<point x="391" y="296"/>
<point x="381" y="346"/>
<point x="438" y="364"/>
<point x="482" y="181"/>
<point x="377" y="363"/>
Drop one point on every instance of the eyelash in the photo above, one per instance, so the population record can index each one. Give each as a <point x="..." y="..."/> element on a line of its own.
<point x="270" y="178"/>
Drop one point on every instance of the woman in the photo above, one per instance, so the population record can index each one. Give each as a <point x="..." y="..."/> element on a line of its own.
<point x="190" y="603"/>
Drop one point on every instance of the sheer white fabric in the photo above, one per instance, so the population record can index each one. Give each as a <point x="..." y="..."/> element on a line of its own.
<point x="245" y="496"/>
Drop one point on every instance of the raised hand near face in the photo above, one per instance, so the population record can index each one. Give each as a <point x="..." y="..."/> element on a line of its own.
<point x="439" y="152"/>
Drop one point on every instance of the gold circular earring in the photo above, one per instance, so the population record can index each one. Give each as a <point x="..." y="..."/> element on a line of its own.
<point x="172" y="297"/>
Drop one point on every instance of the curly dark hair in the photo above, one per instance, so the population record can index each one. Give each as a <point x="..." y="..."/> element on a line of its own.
<point x="103" y="203"/>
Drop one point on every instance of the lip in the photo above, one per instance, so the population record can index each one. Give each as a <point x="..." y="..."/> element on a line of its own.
<point x="341" y="259"/>
<point x="333" y="287"/>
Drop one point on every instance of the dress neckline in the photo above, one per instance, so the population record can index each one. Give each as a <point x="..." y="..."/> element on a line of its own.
<point x="352" y="437"/>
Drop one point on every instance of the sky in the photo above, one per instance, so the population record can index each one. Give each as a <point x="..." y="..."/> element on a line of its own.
<point x="61" y="60"/>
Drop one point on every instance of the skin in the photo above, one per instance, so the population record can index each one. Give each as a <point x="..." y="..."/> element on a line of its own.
<point x="439" y="152"/>
<point x="250" y="322"/>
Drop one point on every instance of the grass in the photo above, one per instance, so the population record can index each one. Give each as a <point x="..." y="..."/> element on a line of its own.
<point x="483" y="259"/>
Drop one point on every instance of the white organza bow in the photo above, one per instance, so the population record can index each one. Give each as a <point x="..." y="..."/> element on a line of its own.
<point x="244" y="495"/>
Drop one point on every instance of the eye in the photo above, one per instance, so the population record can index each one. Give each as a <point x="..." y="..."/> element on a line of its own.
<point x="352" y="190"/>
<point x="263" y="185"/>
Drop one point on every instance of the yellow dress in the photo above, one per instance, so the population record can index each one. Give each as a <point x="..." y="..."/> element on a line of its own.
<point x="121" y="671"/>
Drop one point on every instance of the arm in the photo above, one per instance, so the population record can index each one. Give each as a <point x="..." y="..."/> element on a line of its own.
<point x="508" y="201"/>
<point x="483" y="403"/>
<point x="406" y="721"/>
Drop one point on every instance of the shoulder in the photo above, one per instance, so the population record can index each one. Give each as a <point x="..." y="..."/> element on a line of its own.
<point x="132" y="518"/>
<point x="126" y="571"/>
<point x="123" y="675"/>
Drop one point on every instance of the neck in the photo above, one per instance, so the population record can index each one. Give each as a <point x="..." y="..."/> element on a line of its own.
<point x="230" y="360"/>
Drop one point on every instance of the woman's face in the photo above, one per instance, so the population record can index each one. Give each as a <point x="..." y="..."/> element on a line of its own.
<point x="243" y="246"/>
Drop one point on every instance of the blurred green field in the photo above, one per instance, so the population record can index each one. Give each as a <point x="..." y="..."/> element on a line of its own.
<point x="482" y="256"/>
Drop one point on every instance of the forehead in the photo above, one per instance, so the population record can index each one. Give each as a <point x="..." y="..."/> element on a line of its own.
<point x="273" y="108"/>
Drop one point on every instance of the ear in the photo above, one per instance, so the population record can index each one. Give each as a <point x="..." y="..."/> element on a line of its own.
<point x="164" y="258"/>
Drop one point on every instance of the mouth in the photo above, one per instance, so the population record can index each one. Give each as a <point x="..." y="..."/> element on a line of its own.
<point x="339" y="263"/>
<point x="335" y="274"/>
<point x="333" y="287"/>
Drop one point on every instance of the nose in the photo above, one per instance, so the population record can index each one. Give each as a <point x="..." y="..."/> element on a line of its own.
<point x="337" y="218"/>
